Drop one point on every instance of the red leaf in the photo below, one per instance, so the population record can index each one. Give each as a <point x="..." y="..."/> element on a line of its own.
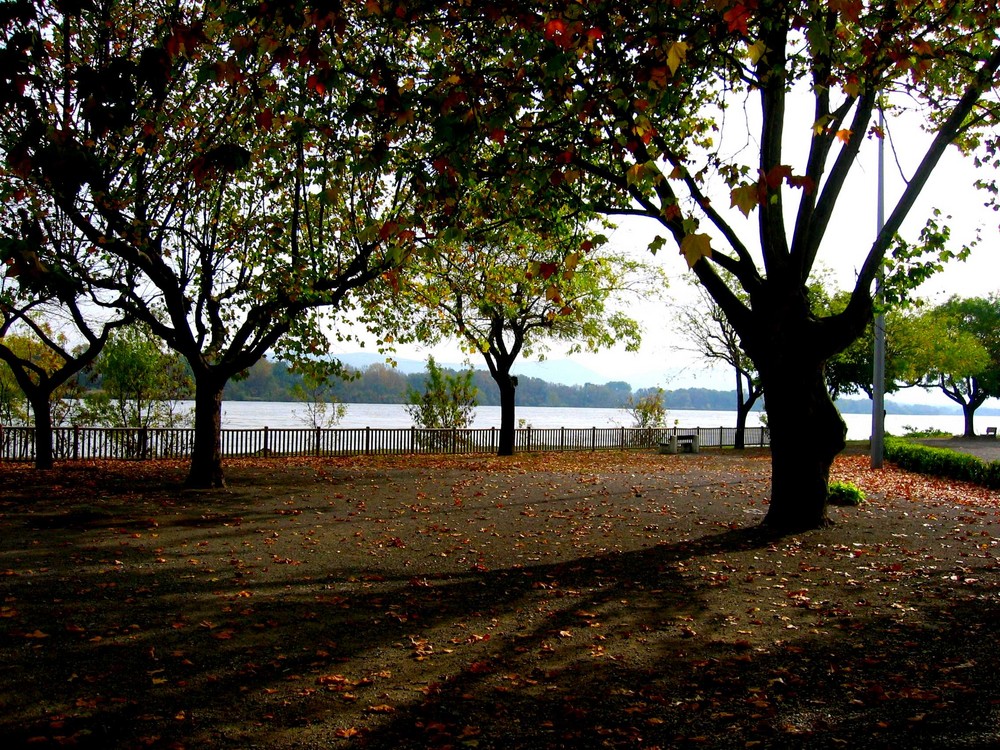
<point x="736" y="18"/>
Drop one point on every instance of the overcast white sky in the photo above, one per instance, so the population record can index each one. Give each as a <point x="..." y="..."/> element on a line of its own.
<point x="663" y="360"/>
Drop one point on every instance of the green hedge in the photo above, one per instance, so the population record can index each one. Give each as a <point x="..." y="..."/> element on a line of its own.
<point x="942" y="462"/>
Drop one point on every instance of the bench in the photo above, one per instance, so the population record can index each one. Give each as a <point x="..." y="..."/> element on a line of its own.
<point x="991" y="432"/>
<point x="679" y="444"/>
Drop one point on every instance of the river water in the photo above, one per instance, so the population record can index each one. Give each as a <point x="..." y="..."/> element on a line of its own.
<point x="252" y="414"/>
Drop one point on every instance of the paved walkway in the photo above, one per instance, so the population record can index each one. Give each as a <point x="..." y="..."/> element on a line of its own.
<point x="986" y="448"/>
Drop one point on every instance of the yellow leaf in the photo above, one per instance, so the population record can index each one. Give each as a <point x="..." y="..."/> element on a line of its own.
<point x="634" y="174"/>
<point x="756" y="51"/>
<point x="676" y="55"/>
<point x="694" y="247"/>
<point x="745" y="198"/>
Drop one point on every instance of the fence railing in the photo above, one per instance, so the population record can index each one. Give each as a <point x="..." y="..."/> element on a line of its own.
<point x="79" y="443"/>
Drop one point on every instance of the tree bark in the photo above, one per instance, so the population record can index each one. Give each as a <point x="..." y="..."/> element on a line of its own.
<point x="744" y="403"/>
<point x="508" y="401"/>
<point x="206" y="456"/>
<point x="969" y="412"/>
<point x="807" y="433"/>
<point x="42" y="407"/>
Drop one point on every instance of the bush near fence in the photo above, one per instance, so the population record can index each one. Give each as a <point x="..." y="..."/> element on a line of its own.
<point x="78" y="443"/>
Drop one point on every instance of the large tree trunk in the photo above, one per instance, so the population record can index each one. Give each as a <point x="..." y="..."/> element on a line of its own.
<point x="807" y="433"/>
<point x="206" y="456"/>
<point x="508" y="400"/>
<point x="42" y="408"/>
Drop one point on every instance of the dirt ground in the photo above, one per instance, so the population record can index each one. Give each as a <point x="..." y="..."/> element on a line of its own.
<point x="620" y="600"/>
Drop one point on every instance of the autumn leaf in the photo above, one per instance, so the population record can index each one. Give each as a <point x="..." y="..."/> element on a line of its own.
<point x="745" y="197"/>
<point x="694" y="247"/>
<point x="736" y="18"/>
<point x="635" y="174"/>
<point x="849" y="9"/>
<point x="776" y="175"/>
<point x="676" y="55"/>
<point x="756" y="51"/>
<point x="844" y="135"/>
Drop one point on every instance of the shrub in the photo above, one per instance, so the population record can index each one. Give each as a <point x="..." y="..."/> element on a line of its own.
<point x="942" y="462"/>
<point x="845" y="493"/>
<point x="930" y="432"/>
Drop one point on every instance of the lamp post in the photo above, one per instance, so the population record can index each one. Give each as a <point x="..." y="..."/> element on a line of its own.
<point x="878" y="369"/>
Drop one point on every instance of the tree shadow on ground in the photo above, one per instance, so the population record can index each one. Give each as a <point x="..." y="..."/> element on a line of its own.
<point x="239" y="619"/>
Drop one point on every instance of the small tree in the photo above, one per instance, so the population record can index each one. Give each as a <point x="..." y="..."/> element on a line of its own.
<point x="448" y="399"/>
<point x="648" y="413"/>
<point x="140" y="383"/>
<point x="323" y="409"/>
<point x="713" y="336"/>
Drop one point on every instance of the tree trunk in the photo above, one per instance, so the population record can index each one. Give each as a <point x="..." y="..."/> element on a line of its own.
<point x="969" y="412"/>
<point x="807" y="433"/>
<point x="739" y="442"/>
<point x="508" y="399"/>
<point x="206" y="456"/>
<point x="42" y="407"/>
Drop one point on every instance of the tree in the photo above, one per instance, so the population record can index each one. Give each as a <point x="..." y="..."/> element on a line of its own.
<point x="648" y="413"/>
<point x="322" y="407"/>
<point x="510" y="291"/>
<point x="850" y="371"/>
<point x="237" y="164"/>
<point x="707" y="327"/>
<point x="139" y="383"/>
<point x="620" y="107"/>
<point x="961" y="353"/>
<point x="51" y="326"/>
<point x="447" y="401"/>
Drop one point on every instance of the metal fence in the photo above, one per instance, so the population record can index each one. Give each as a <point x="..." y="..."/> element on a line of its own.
<point x="77" y="443"/>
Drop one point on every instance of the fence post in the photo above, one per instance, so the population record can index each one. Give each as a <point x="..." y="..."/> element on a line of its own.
<point x="76" y="442"/>
<point x="266" y="450"/>
<point x="319" y="439"/>
<point x="368" y="441"/>
<point x="529" y="437"/>
<point x="562" y="438"/>
<point x="493" y="439"/>
<point x="593" y="438"/>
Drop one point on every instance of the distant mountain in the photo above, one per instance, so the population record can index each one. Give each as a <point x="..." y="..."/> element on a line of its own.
<point x="561" y="371"/>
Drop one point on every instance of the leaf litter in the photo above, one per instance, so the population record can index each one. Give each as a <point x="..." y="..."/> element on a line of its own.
<point x="545" y="600"/>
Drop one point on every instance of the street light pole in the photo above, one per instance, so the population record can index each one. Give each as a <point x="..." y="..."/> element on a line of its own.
<point x="878" y="370"/>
